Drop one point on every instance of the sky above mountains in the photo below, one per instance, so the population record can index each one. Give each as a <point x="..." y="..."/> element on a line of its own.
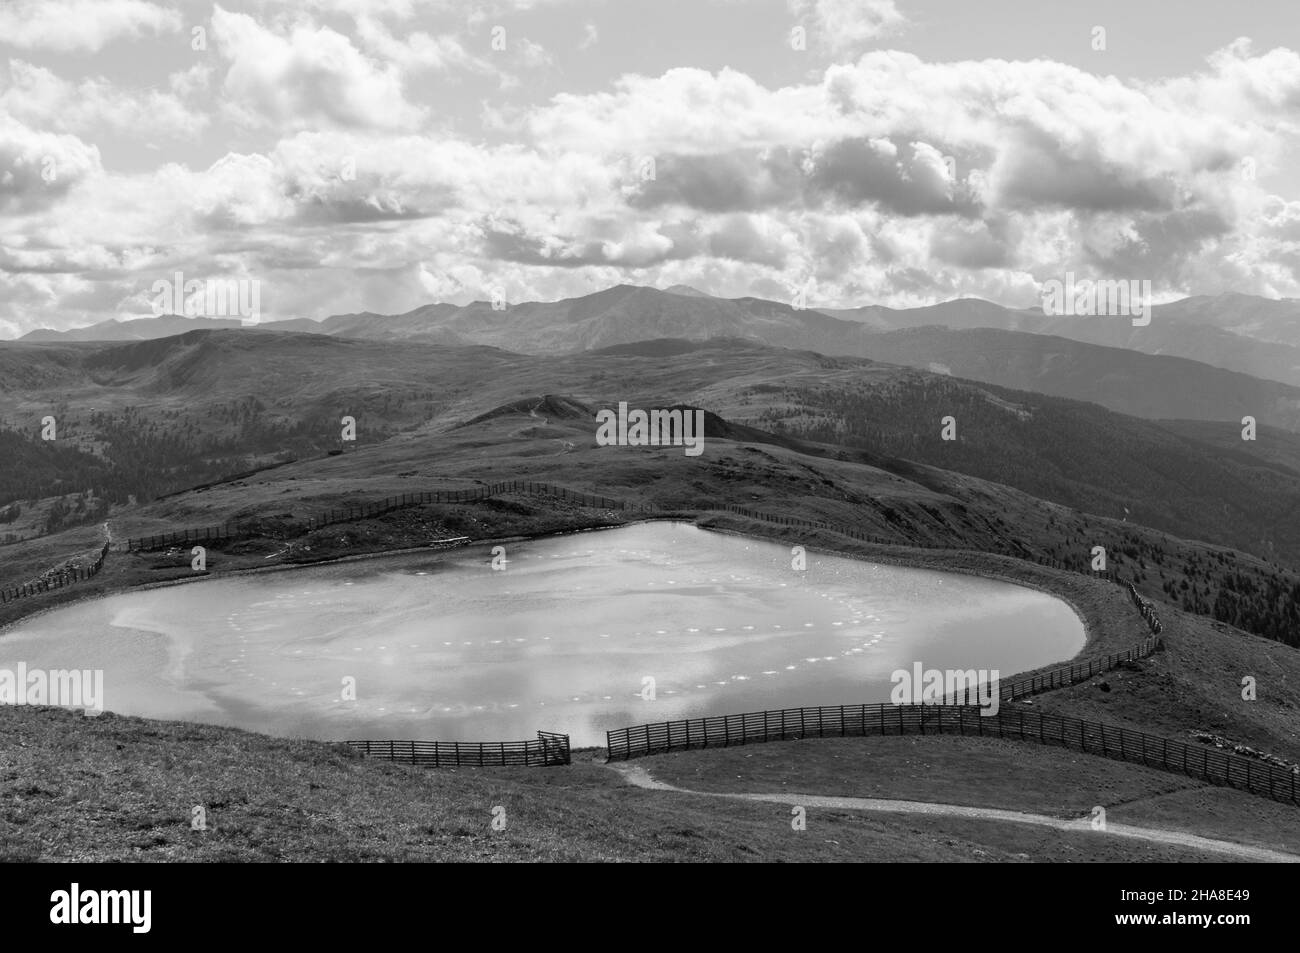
<point x="375" y="155"/>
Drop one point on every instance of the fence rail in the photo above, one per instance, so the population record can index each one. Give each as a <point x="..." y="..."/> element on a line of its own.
<point x="549" y="749"/>
<point x="55" y="580"/>
<point x="238" y="530"/>
<point x="1074" y="672"/>
<point x="1111" y="741"/>
<point x="1060" y="676"/>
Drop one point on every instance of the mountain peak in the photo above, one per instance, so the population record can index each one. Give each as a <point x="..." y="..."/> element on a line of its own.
<point x="686" y="291"/>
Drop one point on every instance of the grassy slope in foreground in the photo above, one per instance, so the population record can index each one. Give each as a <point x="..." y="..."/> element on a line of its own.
<point x="112" y="788"/>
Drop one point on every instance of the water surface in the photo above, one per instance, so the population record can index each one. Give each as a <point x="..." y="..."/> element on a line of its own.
<point x="441" y="646"/>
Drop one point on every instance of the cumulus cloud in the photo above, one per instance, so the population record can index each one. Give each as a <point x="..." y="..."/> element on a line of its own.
<point x="418" y="50"/>
<point x="81" y="25"/>
<point x="39" y="168"/>
<point x="686" y="110"/>
<point x="39" y="97"/>
<point x="845" y="25"/>
<point x="309" y="76"/>
<point x="739" y="180"/>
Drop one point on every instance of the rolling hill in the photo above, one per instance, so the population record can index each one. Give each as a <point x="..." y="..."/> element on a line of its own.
<point x="184" y="410"/>
<point x="1126" y="381"/>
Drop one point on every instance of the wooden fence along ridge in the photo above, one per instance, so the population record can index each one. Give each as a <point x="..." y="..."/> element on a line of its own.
<point x="549" y="749"/>
<point x="56" y="580"/>
<point x="229" y="531"/>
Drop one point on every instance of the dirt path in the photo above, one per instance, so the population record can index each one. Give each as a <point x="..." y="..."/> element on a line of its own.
<point x="640" y="777"/>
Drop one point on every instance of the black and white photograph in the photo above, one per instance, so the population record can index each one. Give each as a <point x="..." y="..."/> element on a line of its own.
<point x="650" y="431"/>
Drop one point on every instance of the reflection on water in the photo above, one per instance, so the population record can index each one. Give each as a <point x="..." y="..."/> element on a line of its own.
<point x="563" y="639"/>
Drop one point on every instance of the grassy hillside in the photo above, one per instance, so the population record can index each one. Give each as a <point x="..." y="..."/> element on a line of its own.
<point x="1067" y="452"/>
<point x="1122" y="380"/>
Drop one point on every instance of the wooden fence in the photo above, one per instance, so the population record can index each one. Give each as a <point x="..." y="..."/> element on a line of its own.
<point x="1196" y="761"/>
<point x="1073" y="673"/>
<point x="549" y="749"/>
<point x="1060" y="676"/>
<point x="238" y="530"/>
<point x="55" y="580"/>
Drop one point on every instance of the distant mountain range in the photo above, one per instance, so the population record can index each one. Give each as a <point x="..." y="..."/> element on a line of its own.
<point x="1252" y="335"/>
<point x="1215" y="359"/>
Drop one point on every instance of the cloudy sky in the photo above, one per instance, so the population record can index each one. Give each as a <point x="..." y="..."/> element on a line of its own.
<point x="378" y="155"/>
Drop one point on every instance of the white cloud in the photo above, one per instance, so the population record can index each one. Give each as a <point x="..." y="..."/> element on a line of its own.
<point x="309" y="77"/>
<point x="38" y="168"/>
<point x="419" y="51"/>
<point x="532" y="55"/>
<point x="191" y="82"/>
<point x="1027" y="135"/>
<point x="40" y="98"/>
<point x="845" y="25"/>
<point x="84" y="25"/>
